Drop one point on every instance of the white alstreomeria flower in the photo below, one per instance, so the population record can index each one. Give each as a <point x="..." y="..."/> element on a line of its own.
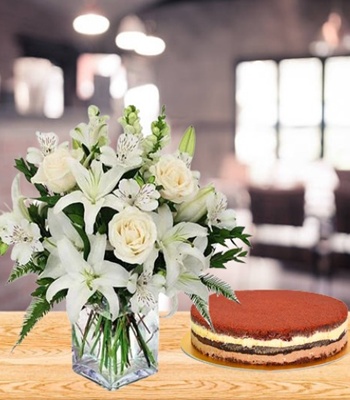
<point x="128" y="152"/>
<point x="95" y="190"/>
<point x="16" y="228"/>
<point x="146" y="288"/>
<point x="218" y="213"/>
<point x="48" y="143"/>
<point x="130" y="193"/>
<point x="85" y="278"/>
<point x="24" y="235"/>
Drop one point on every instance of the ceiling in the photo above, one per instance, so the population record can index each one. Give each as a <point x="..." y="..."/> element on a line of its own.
<point x="67" y="10"/>
<point x="114" y="9"/>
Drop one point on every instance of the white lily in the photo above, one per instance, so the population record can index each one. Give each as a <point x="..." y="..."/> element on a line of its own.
<point x="60" y="227"/>
<point x="130" y="193"/>
<point x="85" y="278"/>
<point x="189" y="283"/>
<point x="48" y="143"/>
<point x="173" y="242"/>
<point x="195" y="208"/>
<point x="19" y="209"/>
<point x="95" y="190"/>
<point x="190" y="262"/>
<point x="128" y="152"/>
<point x="218" y="213"/>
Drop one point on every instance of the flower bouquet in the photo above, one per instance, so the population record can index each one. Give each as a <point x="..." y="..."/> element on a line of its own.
<point x="109" y="230"/>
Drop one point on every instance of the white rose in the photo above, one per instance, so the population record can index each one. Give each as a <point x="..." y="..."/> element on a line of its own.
<point x="132" y="233"/>
<point x="54" y="172"/>
<point x="177" y="180"/>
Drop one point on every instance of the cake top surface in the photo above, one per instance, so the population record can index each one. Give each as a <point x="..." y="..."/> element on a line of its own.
<point x="272" y="314"/>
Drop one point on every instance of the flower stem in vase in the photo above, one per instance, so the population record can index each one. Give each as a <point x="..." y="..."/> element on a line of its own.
<point x="115" y="353"/>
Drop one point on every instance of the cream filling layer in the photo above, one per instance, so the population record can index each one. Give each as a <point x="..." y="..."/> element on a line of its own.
<point x="278" y="359"/>
<point x="332" y="335"/>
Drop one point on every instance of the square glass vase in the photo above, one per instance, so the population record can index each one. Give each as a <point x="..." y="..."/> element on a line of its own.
<point x="115" y="353"/>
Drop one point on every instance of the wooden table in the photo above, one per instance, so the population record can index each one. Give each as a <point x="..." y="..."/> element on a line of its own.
<point x="40" y="368"/>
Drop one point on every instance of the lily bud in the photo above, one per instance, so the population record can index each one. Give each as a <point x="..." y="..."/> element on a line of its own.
<point x="196" y="208"/>
<point x="188" y="141"/>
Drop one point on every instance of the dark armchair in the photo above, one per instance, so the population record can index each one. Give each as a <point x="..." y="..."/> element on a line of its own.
<point x="281" y="230"/>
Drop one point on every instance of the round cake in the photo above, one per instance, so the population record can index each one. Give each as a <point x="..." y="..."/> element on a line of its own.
<point x="271" y="327"/>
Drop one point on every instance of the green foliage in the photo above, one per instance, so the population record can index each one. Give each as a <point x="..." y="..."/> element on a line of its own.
<point x="104" y="217"/>
<point x="49" y="200"/>
<point x="203" y="308"/>
<point x="39" y="216"/>
<point x="160" y="130"/>
<point x="29" y="170"/>
<point x="220" y="236"/>
<point x="22" y="270"/>
<point x="75" y="212"/>
<point x="38" y="308"/>
<point x="225" y="237"/>
<point x="3" y="248"/>
<point x="218" y="260"/>
<point x="214" y="284"/>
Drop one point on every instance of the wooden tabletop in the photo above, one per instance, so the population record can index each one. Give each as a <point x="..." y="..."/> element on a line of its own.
<point x="40" y="368"/>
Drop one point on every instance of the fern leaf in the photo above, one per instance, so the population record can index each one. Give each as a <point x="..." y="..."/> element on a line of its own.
<point x="37" y="309"/>
<point x="219" y="286"/>
<point x="22" y="270"/>
<point x="202" y="307"/>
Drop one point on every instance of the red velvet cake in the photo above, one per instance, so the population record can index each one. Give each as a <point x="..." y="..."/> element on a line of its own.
<point x="271" y="327"/>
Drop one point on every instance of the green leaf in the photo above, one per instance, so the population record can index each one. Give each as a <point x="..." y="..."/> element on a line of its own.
<point x="85" y="239"/>
<point x="218" y="260"/>
<point x="202" y="307"/>
<point x="22" y="270"/>
<point x="3" y="247"/>
<point x="44" y="281"/>
<point x="37" y="309"/>
<point x="29" y="170"/>
<point x="220" y="236"/>
<point x="40" y="291"/>
<point x="39" y="216"/>
<point x="50" y="200"/>
<point x="214" y="284"/>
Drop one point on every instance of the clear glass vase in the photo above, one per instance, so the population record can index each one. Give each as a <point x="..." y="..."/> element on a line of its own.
<point x="115" y="353"/>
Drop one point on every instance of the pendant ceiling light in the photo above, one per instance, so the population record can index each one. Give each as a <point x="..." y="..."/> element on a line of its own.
<point x="131" y="32"/>
<point x="150" y="46"/>
<point x="132" y="36"/>
<point x="333" y="38"/>
<point x="91" y="21"/>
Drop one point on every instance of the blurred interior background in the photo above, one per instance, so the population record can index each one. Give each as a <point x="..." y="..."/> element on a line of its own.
<point x="266" y="83"/>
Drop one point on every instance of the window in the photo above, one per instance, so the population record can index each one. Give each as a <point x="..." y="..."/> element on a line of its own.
<point x="293" y="109"/>
<point x="146" y="99"/>
<point x="38" y="87"/>
<point x="93" y="66"/>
